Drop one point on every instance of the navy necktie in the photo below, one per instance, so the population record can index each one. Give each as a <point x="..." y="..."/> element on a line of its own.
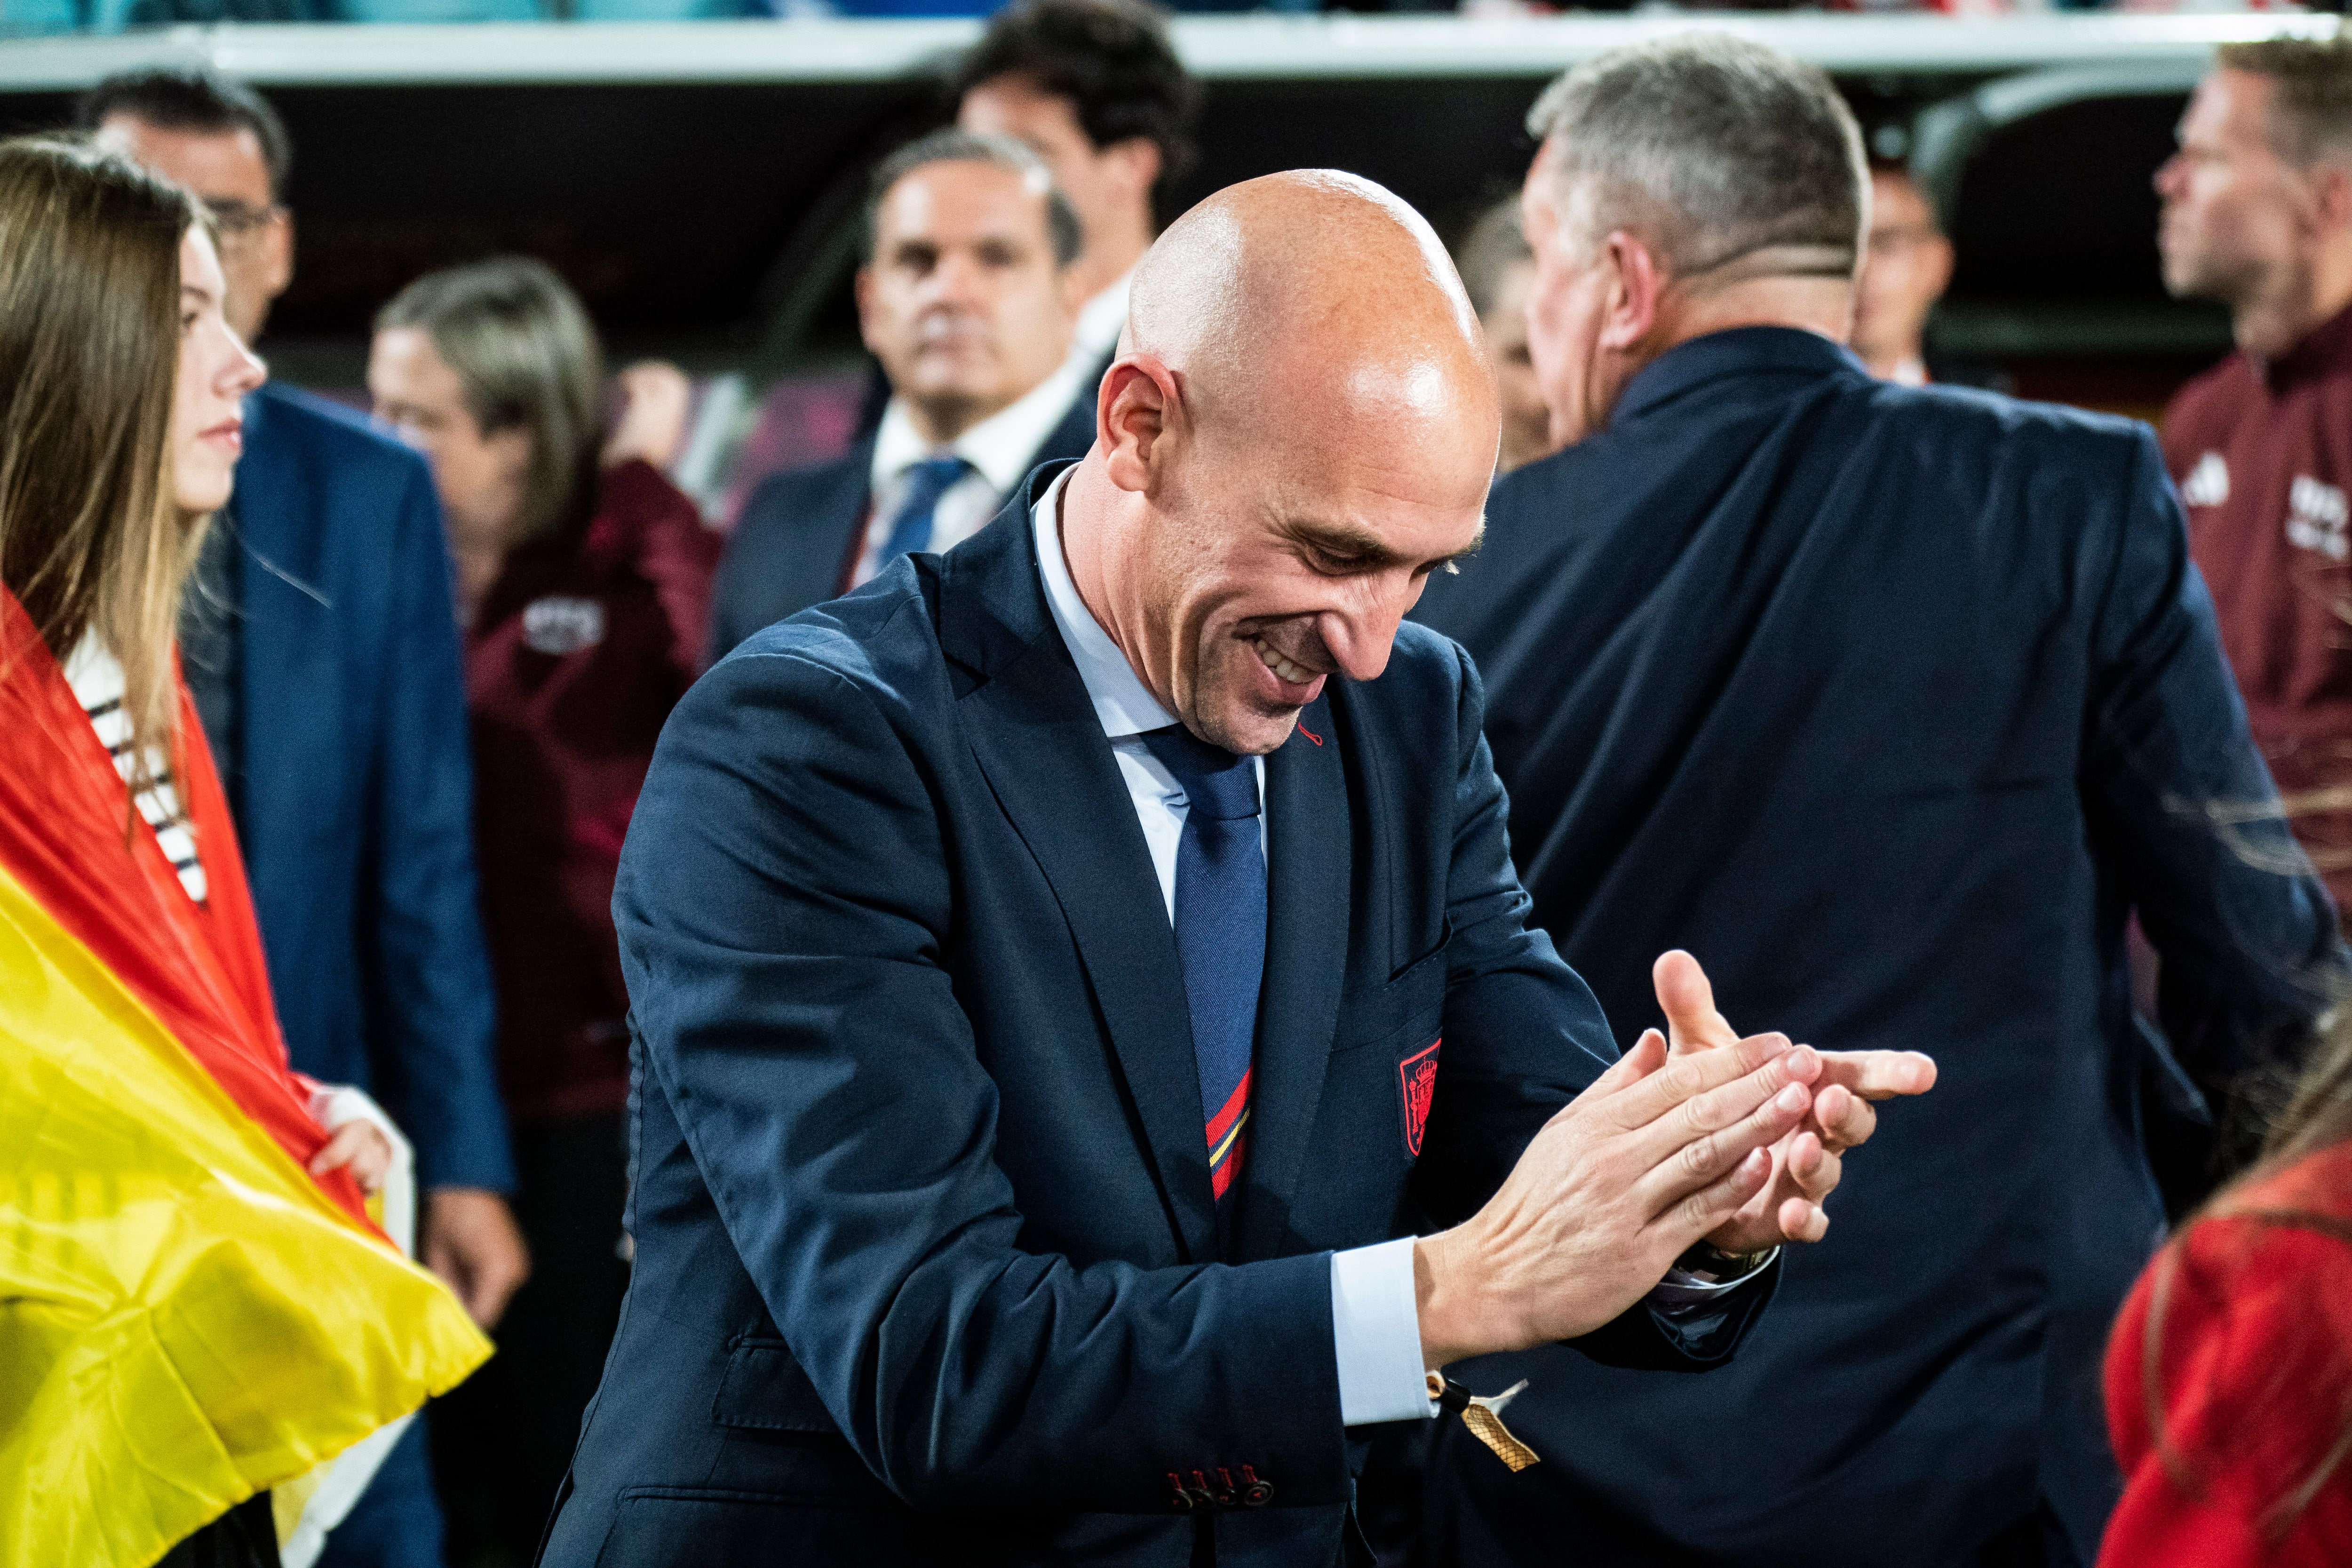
<point x="1220" y="938"/>
<point x="928" y="480"/>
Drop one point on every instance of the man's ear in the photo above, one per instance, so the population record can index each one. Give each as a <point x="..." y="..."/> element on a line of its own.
<point x="282" y="251"/>
<point x="1138" y="162"/>
<point x="1636" y="283"/>
<point x="2331" y="199"/>
<point x="863" y="287"/>
<point x="1941" y="257"/>
<point x="1137" y="412"/>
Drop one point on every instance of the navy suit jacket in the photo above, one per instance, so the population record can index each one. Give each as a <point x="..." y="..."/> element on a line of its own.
<point x="922" y="1209"/>
<point x="355" y="804"/>
<point x="800" y="531"/>
<point x="1888" y="704"/>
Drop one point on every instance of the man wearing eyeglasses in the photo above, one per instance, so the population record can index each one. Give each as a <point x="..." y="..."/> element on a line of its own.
<point x="321" y="650"/>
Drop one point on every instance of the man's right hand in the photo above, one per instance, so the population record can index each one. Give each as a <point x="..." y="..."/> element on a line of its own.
<point x="470" y="1240"/>
<point x="1654" y="1156"/>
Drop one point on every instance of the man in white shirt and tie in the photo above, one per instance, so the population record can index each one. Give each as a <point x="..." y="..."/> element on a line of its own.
<point x="967" y="298"/>
<point x="1094" y="88"/>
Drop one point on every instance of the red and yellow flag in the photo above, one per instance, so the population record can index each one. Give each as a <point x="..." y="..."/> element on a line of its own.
<point x="187" y="1316"/>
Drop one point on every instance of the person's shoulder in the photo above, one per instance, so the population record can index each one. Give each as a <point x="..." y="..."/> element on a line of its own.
<point x="338" y="437"/>
<point x="2214" y="396"/>
<point x="881" y="640"/>
<point x="2277" y="1250"/>
<point x="1937" y="427"/>
<point x="794" y="498"/>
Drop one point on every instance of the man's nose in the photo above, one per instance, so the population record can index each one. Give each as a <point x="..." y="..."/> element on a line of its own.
<point x="2168" y="176"/>
<point x="1360" y="639"/>
<point x="956" y="280"/>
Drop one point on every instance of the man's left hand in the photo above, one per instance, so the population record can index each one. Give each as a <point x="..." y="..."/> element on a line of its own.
<point x="1806" y="1165"/>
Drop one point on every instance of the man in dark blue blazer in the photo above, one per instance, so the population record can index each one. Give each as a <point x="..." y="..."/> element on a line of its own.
<point x="1063" y="978"/>
<point x="326" y="675"/>
<point x="1889" y="704"/>
<point x="967" y="299"/>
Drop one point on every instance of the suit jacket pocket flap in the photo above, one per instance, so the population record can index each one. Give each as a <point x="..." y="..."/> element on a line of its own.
<point x="765" y="1389"/>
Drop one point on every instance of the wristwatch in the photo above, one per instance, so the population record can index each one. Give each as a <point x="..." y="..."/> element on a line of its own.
<point x="1715" y="1266"/>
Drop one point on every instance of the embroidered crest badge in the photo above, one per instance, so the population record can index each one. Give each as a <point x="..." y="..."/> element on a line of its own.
<point x="556" y="624"/>
<point x="1417" y="1076"/>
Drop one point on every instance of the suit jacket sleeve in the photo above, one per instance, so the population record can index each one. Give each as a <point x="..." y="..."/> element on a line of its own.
<point x="1523" y="1037"/>
<point x="2182" y="808"/>
<point x="784" y="902"/>
<point x="434" y="1018"/>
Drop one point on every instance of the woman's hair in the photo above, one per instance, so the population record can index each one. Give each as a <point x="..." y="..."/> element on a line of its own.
<point x="91" y="534"/>
<point x="518" y="340"/>
<point x="2317" y="1116"/>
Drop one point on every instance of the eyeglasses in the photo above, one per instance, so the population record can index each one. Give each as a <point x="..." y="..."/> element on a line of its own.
<point x="241" y="221"/>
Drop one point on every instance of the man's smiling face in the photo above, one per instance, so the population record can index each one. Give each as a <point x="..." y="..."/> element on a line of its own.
<point x="1286" y="549"/>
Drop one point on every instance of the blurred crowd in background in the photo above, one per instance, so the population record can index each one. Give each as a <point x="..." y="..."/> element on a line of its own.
<point x="110" y="15"/>
<point x="434" y="889"/>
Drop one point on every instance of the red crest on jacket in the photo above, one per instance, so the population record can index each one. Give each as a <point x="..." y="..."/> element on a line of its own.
<point x="1417" y="1076"/>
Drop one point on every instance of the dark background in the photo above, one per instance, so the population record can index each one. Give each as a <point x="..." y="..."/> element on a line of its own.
<point x="714" y="224"/>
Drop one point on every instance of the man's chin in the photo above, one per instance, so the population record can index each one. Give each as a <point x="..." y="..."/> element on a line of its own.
<point x="1244" y="729"/>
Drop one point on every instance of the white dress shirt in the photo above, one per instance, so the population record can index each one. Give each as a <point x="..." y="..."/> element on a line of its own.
<point x="1100" y="322"/>
<point x="1375" y="1312"/>
<point x="998" y="448"/>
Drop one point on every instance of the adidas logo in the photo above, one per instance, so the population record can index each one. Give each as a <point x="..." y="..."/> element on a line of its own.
<point x="2316" y="517"/>
<point x="2208" y="483"/>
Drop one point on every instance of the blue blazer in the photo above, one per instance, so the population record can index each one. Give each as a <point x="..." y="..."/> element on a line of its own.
<point x="926" y="1265"/>
<point x="800" y="532"/>
<point x="355" y="806"/>
<point x="1888" y="704"/>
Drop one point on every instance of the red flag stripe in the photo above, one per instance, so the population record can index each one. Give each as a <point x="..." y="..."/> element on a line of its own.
<point x="63" y="822"/>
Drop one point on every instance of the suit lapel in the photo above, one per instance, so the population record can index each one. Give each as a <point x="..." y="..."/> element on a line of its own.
<point x="1034" y="733"/>
<point x="845" y="501"/>
<point x="279" y="596"/>
<point x="1308" y="835"/>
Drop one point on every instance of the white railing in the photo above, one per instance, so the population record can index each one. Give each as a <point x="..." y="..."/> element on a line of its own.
<point x="1219" y="48"/>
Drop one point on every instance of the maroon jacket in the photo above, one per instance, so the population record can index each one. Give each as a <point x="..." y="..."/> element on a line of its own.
<point x="2263" y="454"/>
<point x="577" y="655"/>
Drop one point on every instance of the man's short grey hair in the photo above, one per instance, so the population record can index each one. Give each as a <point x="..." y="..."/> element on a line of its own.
<point x="1061" y="225"/>
<point x="1723" y="156"/>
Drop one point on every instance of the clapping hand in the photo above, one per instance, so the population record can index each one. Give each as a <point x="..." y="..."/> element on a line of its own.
<point x="1806" y="1165"/>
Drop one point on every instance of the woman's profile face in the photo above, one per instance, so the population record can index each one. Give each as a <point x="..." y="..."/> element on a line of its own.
<point x="216" y="370"/>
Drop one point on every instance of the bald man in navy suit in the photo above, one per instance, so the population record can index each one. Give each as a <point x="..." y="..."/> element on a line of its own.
<point x="1069" y="971"/>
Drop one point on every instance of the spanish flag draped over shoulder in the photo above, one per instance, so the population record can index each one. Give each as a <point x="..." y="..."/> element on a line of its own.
<point x="187" y="1316"/>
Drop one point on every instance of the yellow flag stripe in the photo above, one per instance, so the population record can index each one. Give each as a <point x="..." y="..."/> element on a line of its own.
<point x="184" y="1317"/>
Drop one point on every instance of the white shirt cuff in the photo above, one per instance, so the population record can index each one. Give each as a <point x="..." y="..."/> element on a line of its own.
<point x="1682" y="1289"/>
<point x="330" y="1106"/>
<point x="1376" y="1330"/>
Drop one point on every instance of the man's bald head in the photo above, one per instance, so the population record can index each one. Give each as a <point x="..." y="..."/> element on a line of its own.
<point x="1299" y="427"/>
<point x="1312" y="283"/>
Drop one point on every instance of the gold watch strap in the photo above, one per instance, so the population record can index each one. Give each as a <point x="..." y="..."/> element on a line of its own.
<point x="1483" y="1416"/>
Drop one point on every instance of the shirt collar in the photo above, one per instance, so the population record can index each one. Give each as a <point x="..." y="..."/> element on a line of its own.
<point x="1000" y="446"/>
<point x="1122" y="702"/>
<point x="1101" y="319"/>
<point x="1736" y="351"/>
<point x="2321" y="349"/>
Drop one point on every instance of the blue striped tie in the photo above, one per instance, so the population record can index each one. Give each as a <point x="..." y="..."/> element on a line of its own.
<point x="928" y="480"/>
<point x="1220" y="938"/>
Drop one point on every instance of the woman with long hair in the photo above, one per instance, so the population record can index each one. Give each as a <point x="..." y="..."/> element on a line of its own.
<point x="2229" y="1379"/>
<point x="174" y="1208"/>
